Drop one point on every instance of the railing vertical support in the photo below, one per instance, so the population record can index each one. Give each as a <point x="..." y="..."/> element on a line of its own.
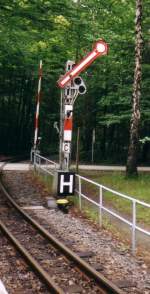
<point x="34" y="160"/>
<point x="133" y="227"/>
<point x="80" y="200"/>
<point x="31" y="155"/>
<point x="100" y="205"/>
<point x="40" y="161"/>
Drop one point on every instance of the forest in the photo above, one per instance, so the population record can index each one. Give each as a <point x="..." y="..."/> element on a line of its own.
<point x="61" y="30"/>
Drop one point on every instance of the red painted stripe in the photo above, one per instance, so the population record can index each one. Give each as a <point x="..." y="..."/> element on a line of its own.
<point x="36" y="122"/>
<point x="38" y="96"/>
<point x="40" y="72"/>
<point x="68" y="124"/>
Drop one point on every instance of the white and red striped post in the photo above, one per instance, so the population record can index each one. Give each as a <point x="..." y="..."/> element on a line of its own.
<point x="68" y="123"/>
<point x="71" y="89"/>
<point x="67" y="133"/>
<point x="38" y="106"/>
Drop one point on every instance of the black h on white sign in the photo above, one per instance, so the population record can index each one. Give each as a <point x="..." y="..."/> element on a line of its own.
<point x="66" y="183"/>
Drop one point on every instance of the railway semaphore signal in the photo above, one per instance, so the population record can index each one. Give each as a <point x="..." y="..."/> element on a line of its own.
<point x="72" y="85"/>
<point x="100" y="48"/>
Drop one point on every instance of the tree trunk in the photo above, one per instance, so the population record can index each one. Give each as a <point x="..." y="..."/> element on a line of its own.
<point x="131" y="167"/>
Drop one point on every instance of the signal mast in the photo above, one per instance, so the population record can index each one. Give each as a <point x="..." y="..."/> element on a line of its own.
<point x="72" y="85"/>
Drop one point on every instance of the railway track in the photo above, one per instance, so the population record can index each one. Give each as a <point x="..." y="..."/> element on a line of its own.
<point x="54" y="263"/>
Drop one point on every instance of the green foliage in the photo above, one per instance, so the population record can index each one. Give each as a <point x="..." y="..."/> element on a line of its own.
<point x="56" y="31"/>
<point x="144" y="140"/>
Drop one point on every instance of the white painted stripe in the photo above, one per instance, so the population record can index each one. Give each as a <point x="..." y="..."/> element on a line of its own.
<point x="35" y="136"/>
<point x="83" y="63"/>
<point x="40" y="63"/>
<point x="39" y="86"/>
<point x="68" y="107"/>
<point x="2" y="288"/>
<point x="37" y="109"/>
<point x="67" y="135"/>
<point x="67" y="78"/>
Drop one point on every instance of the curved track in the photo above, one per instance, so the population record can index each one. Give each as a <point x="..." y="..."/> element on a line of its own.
<point x="20" y="228"/>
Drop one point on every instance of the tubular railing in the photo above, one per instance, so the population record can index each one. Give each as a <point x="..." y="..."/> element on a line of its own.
<point x="44" y="164"/>
<point x="102" y="207"/>
<point x="49" y="166"/>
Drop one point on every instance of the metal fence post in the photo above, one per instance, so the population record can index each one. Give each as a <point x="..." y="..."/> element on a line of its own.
<point x="100" y="205"/>
<point x="133" y="227"/>
<point x="31" y="155"/>
<point x="80" y="200"/>
<point x="39" y="161"/>
<point x="34" y="160"/>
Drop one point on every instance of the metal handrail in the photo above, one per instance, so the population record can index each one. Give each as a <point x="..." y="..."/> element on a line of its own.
<point x="134" y="201"/>
<point x="45" y="167"/>
<point x="132" y="224"/>
<point x="114" y="192"/>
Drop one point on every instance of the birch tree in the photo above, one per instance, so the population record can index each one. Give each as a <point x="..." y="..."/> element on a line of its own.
<point x="131" y="167"/>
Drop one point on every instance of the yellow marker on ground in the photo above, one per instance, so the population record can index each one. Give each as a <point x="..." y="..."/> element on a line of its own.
<point x="62" y="201"/>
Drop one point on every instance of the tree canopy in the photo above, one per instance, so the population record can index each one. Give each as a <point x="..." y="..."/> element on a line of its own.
<point x="56" y="31"/>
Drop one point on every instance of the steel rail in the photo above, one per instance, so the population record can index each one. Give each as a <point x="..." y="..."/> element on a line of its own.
<point x="100" y="280"/>
<point x="31" y="260"/>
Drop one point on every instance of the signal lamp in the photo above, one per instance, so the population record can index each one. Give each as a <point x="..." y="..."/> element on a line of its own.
<point x="79" y="85"/>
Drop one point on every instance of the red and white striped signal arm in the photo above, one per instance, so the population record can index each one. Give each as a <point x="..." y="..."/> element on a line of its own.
<point x="38" y="105"/>
<point x="100" y="48"/>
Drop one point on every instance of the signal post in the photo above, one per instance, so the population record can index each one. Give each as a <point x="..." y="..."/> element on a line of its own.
<point x="35" y="148"/>
<point x="72" y="85"/>
<point x="68" y="97"/>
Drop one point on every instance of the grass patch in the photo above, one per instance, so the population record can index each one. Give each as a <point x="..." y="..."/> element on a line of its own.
<point x="138" y="188"/>
<point x="45" y="179"/>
